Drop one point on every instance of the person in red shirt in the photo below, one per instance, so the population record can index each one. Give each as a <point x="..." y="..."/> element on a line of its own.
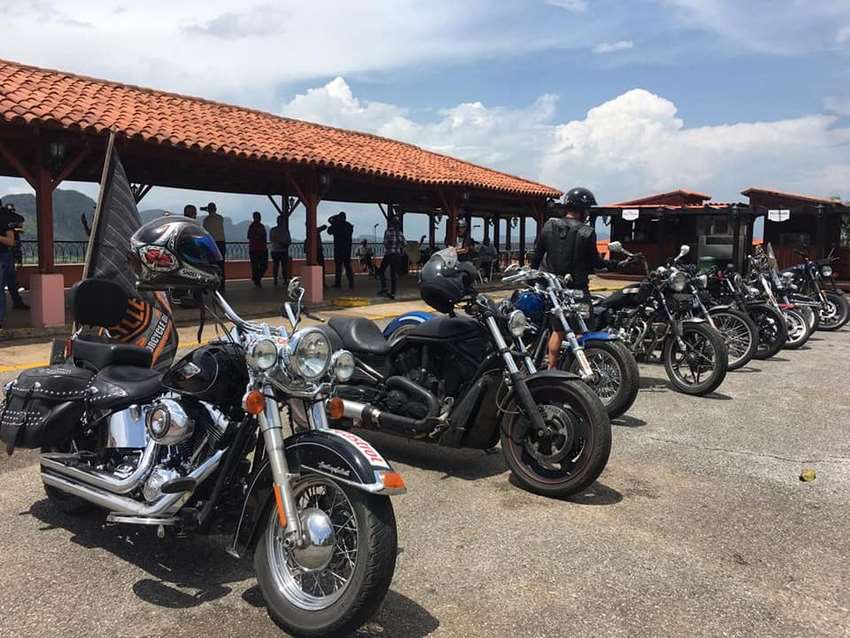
<point x="258" y="249"/>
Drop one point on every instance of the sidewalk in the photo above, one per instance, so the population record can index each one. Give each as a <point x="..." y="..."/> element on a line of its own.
<point x="265" y="303"/>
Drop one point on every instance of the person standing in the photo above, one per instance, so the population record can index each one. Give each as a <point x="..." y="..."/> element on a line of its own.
<point x="280" y="240"/>
<point x="569" y="245"/>
<point x="7" y="263"/>
<point x="258" y="250"/>
<point x="487" y="255"/>
<point x="394" y="243"/>
<point x="214" y="225"/>
<point x="342" y="231"/>
<point x="190" y="211"/>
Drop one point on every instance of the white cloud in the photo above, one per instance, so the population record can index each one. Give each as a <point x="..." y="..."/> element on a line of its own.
<point x="576" y="6"/>
<point x="838" y="105"/>
<point x="843" y="35"/>
<point x="612" y="47"/>
<point x="633" y="144"/>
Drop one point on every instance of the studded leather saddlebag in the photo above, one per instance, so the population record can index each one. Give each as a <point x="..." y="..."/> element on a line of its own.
<point x="44" y="406"/>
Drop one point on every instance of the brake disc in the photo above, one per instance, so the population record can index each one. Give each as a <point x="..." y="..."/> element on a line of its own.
<point x="552" y="446"/>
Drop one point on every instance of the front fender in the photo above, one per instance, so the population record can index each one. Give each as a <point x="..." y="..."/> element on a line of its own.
<point x="723" y="307"/>
<point x="543" y="376"/>
<point x="601" y="335"/>
<point x="337" y="454"/>
<point x="415" y="317"/>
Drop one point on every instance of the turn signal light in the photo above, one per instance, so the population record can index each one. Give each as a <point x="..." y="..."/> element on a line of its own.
<point x="393" y="481"/>
<point x="281" y="513"/>
<point x="255" y="402"/>
<point x="335" y="408"/>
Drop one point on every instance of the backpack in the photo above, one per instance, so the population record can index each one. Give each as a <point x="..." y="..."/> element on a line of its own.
<point x="566" y="244"/>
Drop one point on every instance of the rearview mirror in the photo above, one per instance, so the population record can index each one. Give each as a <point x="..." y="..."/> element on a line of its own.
<point x="684" y="250"/>
<point x="615" y="247"/>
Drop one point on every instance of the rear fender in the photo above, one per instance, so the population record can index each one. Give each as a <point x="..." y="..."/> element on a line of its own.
<point x="723" y="307"/>
<point x="678" y="326"/>
<point x="409" y="318"/>
<point x="336" y="454"/>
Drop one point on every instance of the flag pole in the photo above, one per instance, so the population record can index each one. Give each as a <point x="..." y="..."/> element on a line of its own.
<point x="103" y="187"/>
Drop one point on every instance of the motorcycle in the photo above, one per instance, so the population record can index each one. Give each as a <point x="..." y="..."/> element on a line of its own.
<point x="600" y="358"/>
<point x="727" y="287"/>
<point x="833" y="309"/>
<point x="205" y="443"/>
<point x="455" y="381"/>
<point x="739" y="331"/>
<point x="657" y="314"/>
<point x="799" y="317"/>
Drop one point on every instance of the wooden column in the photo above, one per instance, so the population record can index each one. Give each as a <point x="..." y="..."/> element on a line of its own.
<point x="661" y="257"/>
<point x="451" y="223"/>
<point x="432" y="231"/>
<point x="736" y="238"/>
<point x="496" y="230"/>
<point x="44" y="216"/>
<point x="311" y="204"/>
<point x="522" y="240"/>
<point x="508" y="234"/>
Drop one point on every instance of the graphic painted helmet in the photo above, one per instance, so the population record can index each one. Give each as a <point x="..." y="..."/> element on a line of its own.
<point x="174" y="252"/>
<point x="579" y="199"/>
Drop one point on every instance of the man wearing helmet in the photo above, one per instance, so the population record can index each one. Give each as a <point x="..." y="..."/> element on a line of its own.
<point x="568" y="245"/>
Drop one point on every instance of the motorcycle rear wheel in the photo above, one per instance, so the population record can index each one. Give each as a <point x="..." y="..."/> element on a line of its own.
<point x="618" y="376"/>
<point x="305" y="602"/>
<point x="706" y="353"/>
<point x="740" y="334"/>
<point x="574" y="454"/>
<point x="772" y="330"/>
<point x="837" y="313"/>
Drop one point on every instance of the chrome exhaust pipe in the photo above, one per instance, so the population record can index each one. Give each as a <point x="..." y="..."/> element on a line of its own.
<point x="166" y="504"/>
<point x="56" y="462"/>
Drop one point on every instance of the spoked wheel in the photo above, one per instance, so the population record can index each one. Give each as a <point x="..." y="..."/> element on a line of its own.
<point x="812" y="318"/>
<point x="835" y="313"/>
<point x="617" y="375"/>
<point x="336" y="581"/>
<point x="571" y="452"/>
<point x="798" y="330"/>
<point x="698" y="365"/>
<point x="772" y="330"/>
<point x="739" y="333"/>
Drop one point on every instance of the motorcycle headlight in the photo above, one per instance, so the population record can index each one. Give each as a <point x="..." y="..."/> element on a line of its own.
<point x="311" y="354"/>
<point x="517" y="323"/>
<point x="342" y="363"/>
<point x="753" y="291"/>
<point x="678" y="281"/>
<point x="263" y="354"/>
<point x="826" y="271"/>
<point x="738" y="280"/>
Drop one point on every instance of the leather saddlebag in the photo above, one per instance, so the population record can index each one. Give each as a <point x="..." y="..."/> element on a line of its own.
<point x="44" y="406"/>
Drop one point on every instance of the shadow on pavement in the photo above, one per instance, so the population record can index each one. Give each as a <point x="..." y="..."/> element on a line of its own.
<point x="747" y="369"/>
<point x="465" y="464"/>
<point x="597" y="494"/>
<point x="184" y="572"/>
<point x="654" y="384"/>
<point x="628" y="421"/>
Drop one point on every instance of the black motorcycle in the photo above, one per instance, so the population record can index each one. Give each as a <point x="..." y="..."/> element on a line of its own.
<point x="205" y="445"/>
<point x="727" y="287"/>
<point x="656" y="314"/>
<point x="455" y="381"/>
<point x="813" y="278"/>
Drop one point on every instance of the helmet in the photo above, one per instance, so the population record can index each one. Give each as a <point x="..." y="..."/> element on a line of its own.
<point x="443" y="281"/>
<point x="579" y="199"/>
<point x="174" y="252"/>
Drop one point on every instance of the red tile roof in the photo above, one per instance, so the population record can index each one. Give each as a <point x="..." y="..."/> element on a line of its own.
<point x="665" y="197"/>
<point x="31" y="95"/>
<point x="775" y="193"/>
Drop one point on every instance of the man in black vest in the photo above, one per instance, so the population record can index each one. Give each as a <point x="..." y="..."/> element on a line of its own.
<point x="568" y="244"/>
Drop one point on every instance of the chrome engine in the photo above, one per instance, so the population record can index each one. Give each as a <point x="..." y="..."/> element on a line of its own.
<point x="146" y="447"/>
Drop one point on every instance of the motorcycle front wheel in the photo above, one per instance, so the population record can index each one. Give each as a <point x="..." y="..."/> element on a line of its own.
<point x="700" y="366"/>
<point x="772" y="330"/>
<point x="335" y="583"/>
<point x="617" y="375"/>
<point x="798" y="329"/>
<point x="572" y="453"/>
<point x="740" y="334"/>
<point x="835" y="313"/>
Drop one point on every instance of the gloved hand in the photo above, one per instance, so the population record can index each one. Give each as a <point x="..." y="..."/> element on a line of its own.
<point x="624" y="262"/>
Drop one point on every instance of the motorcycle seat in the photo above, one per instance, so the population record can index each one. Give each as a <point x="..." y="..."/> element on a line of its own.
<point x="360" y="335"/>
<point x="98" y="352"/>
<point x="118" y="386"/>
<point x="619" y="298"/>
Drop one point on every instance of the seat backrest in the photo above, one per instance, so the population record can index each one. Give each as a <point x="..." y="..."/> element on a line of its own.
<point x="98" y="302"/>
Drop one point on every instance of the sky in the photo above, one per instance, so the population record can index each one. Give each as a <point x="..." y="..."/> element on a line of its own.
<point x="626" y="97"/>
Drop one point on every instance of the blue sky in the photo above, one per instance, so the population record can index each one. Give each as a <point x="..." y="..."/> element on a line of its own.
<point x="626" y="97"/>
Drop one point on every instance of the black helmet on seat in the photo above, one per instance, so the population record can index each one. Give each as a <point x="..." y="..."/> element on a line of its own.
<point x="443" y="282"/>
<point x="174" y="252"/>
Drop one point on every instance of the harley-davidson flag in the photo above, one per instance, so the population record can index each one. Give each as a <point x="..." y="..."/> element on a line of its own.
<point x="148" y="322"/>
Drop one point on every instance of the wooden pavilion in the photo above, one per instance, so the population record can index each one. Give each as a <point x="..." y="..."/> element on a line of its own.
<point x="54" y="127"/>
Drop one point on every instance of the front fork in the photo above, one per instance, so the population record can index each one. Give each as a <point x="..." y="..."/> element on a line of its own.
<point x="585" y="371"/>
<point x="272" y="428"/>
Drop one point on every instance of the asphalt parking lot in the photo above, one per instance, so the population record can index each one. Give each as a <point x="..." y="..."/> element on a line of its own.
<point x="699" y="526"/>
